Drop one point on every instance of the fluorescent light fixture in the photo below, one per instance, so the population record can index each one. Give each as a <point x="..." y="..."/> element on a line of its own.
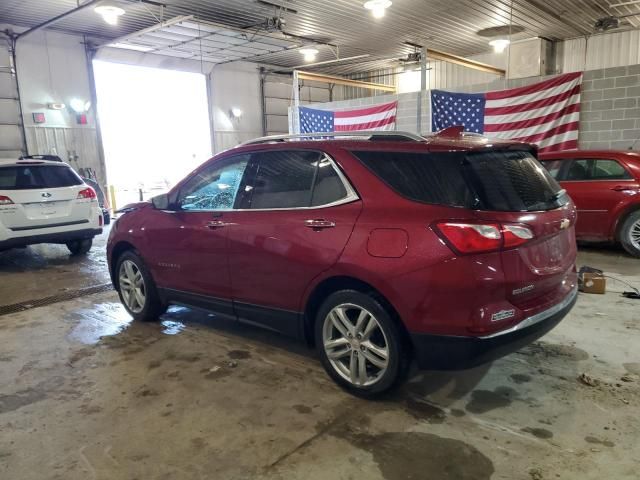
<point x="130" y="46"/>
<point x="309" y="54"/>
<point x="377" y="7"/>
<point x="236" y="112"/>
<point x="499" y="44"/>
<point x="79" y="106"/>
<point x="109" y="13"/>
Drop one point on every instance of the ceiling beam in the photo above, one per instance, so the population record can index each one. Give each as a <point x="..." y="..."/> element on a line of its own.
<point x="318" y="77"/>
<point x="465" y="62"/>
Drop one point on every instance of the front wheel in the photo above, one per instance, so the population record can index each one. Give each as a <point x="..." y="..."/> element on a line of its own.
<point x="136" y="288"/>
<point x="80" y="247"/>
<point x="630" y="234"/>
<point x="359" y="343"/>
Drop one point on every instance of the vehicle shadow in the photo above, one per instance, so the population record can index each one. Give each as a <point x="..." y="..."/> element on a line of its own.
<point x="447" y="386"/>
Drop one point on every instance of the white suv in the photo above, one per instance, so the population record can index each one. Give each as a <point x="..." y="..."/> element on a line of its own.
<point x="46" y="202"/>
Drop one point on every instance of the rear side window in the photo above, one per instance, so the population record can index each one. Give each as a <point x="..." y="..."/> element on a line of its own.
<point x="493" y="180"/>
<point x="293" y="179"/>
<point x="596" y="169"/>
<point x="25" y="177"/>
<point x="609" y="170"/>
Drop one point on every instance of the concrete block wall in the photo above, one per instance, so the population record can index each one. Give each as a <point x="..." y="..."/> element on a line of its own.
<point x="610" y="109"/>
<point x="609" y="106"/>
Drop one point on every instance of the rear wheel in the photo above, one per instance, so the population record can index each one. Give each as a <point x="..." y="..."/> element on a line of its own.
<point x="630" y="234"/>
<point x="80" y="247"/>
<point x="136" y="288"/>
<point x="359" y="343"/>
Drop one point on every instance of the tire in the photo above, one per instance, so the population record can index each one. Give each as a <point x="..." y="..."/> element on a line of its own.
<point x="630" y="234"/>
<point x="142" y="302"/>
<point x="378" y="376"/>
<point x="80" y="247"/>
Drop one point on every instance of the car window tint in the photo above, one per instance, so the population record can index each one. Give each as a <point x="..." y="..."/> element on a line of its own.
<point x="215" y="187"/>
<point x="24" y="177"/>
<point x="491" y="180"/>
<point x="554" y="167"/>
<point x="284" y="179"/>
<point x="609" y="170"/>
<point x="579" y="170"/>
<point x="328" y="187"/>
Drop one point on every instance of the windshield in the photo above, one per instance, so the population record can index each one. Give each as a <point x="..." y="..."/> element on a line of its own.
<point x="492" y="180"/>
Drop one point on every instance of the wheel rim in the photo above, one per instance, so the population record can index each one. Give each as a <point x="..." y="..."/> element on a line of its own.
<point x="132" y="286"/>
<point x="355" y="344"/>
<point x="634" y="234"/>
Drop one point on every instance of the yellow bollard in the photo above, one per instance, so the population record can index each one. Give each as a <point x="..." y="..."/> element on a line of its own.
<point x="112" y="192"/>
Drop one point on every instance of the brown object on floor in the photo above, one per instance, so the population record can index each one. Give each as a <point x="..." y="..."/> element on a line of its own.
<point x="593" y="283"/>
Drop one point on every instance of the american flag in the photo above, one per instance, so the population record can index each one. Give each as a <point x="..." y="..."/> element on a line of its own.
<point x="545" y="113"/>
<point x="378" y="117"/>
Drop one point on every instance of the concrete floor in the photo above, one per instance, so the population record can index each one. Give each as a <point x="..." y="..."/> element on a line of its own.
<point x="86" y="394"/>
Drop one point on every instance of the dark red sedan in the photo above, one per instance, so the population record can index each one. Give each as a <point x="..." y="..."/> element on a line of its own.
<point x="605" y="186"/>
<point x="378" y="249"/>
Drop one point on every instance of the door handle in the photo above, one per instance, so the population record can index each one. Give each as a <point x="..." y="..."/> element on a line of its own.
<point x="213" y="224"/>
<point x="319" y="224"/>
<point x="623" y="188"/>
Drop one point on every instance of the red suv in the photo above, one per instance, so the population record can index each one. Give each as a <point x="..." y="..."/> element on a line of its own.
<point x="605" y="185"/>
<point x="377" y="248"/>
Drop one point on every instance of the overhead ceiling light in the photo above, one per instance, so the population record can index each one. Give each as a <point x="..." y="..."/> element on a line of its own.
<point x="79" y="106"/>
<point x="377" y="7"/>
<point x="130" y="46"/>
<point x="309" y="54"/>
<point x="109" y="13"/>
<point x="499" y="44"/>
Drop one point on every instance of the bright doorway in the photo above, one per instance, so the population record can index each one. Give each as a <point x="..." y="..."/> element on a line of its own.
<point x="155" y="127"/>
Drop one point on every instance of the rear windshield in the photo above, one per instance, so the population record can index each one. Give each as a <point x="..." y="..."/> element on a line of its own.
<point x="24" y="177"/>
<point x="494" y="180"/>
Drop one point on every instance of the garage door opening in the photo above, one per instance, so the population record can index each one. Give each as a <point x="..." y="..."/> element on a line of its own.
<point x="155" y="127"/>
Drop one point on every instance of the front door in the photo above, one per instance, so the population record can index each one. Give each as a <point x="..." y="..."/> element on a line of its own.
<point x="190" y="242"/>
<point x="293" y="225"/>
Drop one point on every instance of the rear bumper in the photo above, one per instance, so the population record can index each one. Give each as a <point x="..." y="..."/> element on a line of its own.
<point x="58" y="237"/>
<point x="443" y="352"/>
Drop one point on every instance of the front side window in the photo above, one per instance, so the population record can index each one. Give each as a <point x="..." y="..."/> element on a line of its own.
<point x="554" y="167"/>
<point x="215" y="187"/>
<point x="578" y="170"/>
<point x="293" y="179"/>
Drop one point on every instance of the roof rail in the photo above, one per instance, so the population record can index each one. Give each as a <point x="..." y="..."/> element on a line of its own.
<point x="369" y="134"/>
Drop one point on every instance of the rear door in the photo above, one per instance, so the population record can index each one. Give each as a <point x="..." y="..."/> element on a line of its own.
<point x="43" y="195"/>
<point x="293" y="225"/>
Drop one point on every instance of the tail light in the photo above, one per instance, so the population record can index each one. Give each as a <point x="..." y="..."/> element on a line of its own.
<point x="99" y="220"/>
<point x="466" y="238"/>
<point x="5" y="200"/>
<point x="88" y="193"/>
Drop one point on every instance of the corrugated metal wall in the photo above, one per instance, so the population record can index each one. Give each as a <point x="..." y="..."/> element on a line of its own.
<point x="602" y="51"/>
<point x="10" y="133"/>
<point x="76" y="146"/>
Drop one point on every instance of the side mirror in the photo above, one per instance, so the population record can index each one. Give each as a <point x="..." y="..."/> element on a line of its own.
<point x="161" y="202"/>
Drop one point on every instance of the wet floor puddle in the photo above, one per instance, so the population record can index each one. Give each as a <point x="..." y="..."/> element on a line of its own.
<point x="111" y="319"/>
